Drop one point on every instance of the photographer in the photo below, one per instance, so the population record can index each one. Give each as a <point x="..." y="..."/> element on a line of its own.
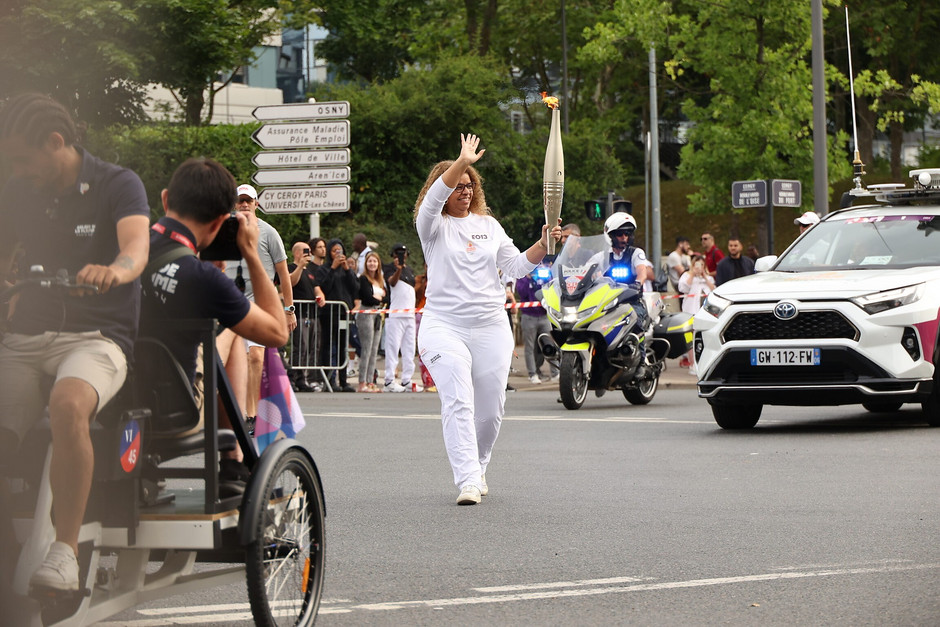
<point x="400" y="327"/>
<point x="304" y="338"/>
<point x="176" y="285"/>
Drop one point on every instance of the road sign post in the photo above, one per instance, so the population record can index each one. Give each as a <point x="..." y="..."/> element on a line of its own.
<point x="298" y="127"/>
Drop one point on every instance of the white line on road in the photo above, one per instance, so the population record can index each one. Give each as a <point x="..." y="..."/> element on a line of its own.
<point x="237" y="611"/>
<point x="556" y="418"/>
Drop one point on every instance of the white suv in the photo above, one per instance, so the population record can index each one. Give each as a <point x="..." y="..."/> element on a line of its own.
<point x="848" y="314"/>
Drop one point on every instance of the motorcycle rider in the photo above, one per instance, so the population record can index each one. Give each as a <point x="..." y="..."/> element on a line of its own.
<point x="620" y="228"/>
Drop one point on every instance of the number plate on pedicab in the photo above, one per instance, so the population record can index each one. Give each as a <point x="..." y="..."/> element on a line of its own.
<point x="785" y="356"/>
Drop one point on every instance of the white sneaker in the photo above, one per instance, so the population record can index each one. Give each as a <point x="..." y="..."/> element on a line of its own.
<point x="59" y="570"/>
<point x="469" y="495"/>
<point x="534" y="379"/>
<point x="394" y="387"/>
<point x="412" y="387"/>
<point x="692" y="370"/>
<point x="484" y="489"/>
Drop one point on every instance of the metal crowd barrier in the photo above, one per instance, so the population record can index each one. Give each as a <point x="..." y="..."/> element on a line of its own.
<point x="321" y="332"/>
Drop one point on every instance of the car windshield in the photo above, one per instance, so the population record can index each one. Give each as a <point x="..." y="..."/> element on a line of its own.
<point x="866" y="242"/>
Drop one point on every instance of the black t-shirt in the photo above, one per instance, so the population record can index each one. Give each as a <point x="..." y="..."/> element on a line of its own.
<point x="186" y="288"/>
<point x="68" y="232"/>
<point x="407" y="274"/>
<point x="308" y="280"/>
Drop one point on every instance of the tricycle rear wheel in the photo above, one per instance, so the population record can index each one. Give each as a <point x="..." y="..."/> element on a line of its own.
<point x="284" y="564"/>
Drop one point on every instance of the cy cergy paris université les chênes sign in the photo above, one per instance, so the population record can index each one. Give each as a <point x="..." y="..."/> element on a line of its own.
<point x="328" y="198"/>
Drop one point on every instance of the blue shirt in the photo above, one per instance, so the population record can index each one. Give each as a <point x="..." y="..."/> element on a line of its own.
<point x="68" y="232"/>
<point x="186" y="287"/>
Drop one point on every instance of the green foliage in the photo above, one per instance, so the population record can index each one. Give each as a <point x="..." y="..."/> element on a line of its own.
<point x="79" y="52"/>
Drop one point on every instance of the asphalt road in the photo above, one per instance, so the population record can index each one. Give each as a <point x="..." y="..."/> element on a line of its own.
<point x="616" y="514"/>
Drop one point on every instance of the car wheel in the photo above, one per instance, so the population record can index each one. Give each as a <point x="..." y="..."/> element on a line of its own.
<point x="882" y="407"/>
<point x="736" y="416"/>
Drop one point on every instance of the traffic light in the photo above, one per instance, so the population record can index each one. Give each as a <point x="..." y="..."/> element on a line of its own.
<point x="596" y="210"/>
<point x="625" y="206"/>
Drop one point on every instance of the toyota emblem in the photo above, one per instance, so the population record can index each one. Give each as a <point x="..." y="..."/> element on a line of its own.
<point x="785" y="310"/>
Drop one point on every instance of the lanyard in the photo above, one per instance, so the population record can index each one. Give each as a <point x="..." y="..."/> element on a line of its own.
<point x="173" y="235"/>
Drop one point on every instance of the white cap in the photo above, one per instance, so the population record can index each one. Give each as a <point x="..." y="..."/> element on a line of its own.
<point x="247" y="190"/>
<point x="807" y="219"/>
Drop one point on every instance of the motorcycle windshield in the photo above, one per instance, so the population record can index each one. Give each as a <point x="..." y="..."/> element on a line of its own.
<point x="581" y="257"/>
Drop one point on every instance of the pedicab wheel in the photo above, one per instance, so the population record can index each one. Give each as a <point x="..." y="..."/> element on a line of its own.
<point x="284" y="563"/>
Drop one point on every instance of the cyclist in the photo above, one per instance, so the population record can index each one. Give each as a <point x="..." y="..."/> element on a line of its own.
<point x="71" y="211"/>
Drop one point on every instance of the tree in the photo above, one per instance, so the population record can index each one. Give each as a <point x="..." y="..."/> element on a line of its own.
<point x="894" y="45"/>
<point x="77" y="52"/>
<point x="402" y="127"/>
<point x="754" y="121"/>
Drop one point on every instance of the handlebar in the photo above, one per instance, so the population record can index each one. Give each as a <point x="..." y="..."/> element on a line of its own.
<point x="45" y="282"/>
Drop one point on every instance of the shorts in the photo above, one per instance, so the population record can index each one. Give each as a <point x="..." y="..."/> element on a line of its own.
<point x="27" y="362"/>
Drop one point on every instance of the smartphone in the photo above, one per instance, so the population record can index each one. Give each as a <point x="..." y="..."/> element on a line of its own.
<point x="401" y="258"/>
<point x="225" y="245"/>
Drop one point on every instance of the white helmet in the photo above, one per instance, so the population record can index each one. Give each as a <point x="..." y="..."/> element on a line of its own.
<point x="618" y="221"/>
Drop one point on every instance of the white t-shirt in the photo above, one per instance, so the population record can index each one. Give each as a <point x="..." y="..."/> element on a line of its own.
<point x="270" y="249"/>
<point x="402" y="296"/>
<point x="675" y="259"/>
<point x="464" y="256"/>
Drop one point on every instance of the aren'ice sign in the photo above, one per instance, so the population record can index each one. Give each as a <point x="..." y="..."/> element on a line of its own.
<point x="327" y="134"/>
<point x="302" y="176"/>
<point x="303" y="111"/>
<point x="327" y="198"/>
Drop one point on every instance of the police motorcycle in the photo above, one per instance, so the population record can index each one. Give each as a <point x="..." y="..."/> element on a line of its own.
<point x="602" y="336"/>
<point x="157" y="523"/>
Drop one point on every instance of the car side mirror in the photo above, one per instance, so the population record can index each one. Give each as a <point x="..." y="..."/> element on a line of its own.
<point x="765" y="263"/>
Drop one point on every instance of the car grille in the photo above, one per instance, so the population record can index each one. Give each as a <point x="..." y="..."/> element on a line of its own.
<point x="807" y="325"/>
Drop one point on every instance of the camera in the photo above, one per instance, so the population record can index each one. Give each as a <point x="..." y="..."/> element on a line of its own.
<point x="225" y="245"/>
<point x="306" y="251"/>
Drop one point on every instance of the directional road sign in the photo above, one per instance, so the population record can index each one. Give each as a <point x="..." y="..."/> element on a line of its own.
<point x="786" y="193"/>
<point x="302" y="176"/>
<point x="300" y="158"/>
<point x="303" y="111"/>
<point x="327" y="134"/>
<point x="748" y="194"/>
<point x="329" y="198"/>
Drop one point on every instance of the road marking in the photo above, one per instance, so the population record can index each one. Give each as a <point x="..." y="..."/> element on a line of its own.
<point x="562" y="584"/>
<point x="208" y="614"/>
<point x="543" y="418"/>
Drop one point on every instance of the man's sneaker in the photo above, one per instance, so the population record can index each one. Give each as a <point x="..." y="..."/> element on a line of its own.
<point x="484" y="490"/>
<point x="412" y="387"/>
<point x="59" y="571"/>
<point x="534" y="379"/>
<point x="469" y="495"/>
<point x="394" y="387"/>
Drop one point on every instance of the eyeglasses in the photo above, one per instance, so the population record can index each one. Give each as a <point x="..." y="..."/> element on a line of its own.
<point x="462" y="186"/>
<point x="706" y="238"/>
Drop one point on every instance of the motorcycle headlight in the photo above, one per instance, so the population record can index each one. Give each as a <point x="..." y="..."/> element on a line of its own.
<point x="715" y="304"/>
<point x="889" y="299"/>
<point x="569" y="315"/>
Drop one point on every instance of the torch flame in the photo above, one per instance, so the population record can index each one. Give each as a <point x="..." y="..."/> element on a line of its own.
<point x="551" y="101"/>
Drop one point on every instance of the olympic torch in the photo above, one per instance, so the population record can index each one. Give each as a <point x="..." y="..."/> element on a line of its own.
<point x="553" y="174"/>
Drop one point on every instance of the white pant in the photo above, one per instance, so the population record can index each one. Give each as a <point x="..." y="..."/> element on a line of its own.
<point x="470" y="367"/>
<point x="400" y="336"/>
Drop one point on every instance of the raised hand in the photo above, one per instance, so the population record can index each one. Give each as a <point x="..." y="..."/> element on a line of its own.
<point x="468" y="148"/>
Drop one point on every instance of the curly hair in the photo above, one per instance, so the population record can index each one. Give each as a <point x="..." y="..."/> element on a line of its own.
<point x="477" y="203"/>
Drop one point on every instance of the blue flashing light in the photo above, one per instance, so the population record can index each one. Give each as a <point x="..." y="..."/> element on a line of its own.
<point x="621" y="273"/>
<point x="543" y="274"/>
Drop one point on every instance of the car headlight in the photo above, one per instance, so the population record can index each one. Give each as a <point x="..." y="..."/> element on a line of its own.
<point x="889" y="299"/>
<point x="715" y="304"/>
